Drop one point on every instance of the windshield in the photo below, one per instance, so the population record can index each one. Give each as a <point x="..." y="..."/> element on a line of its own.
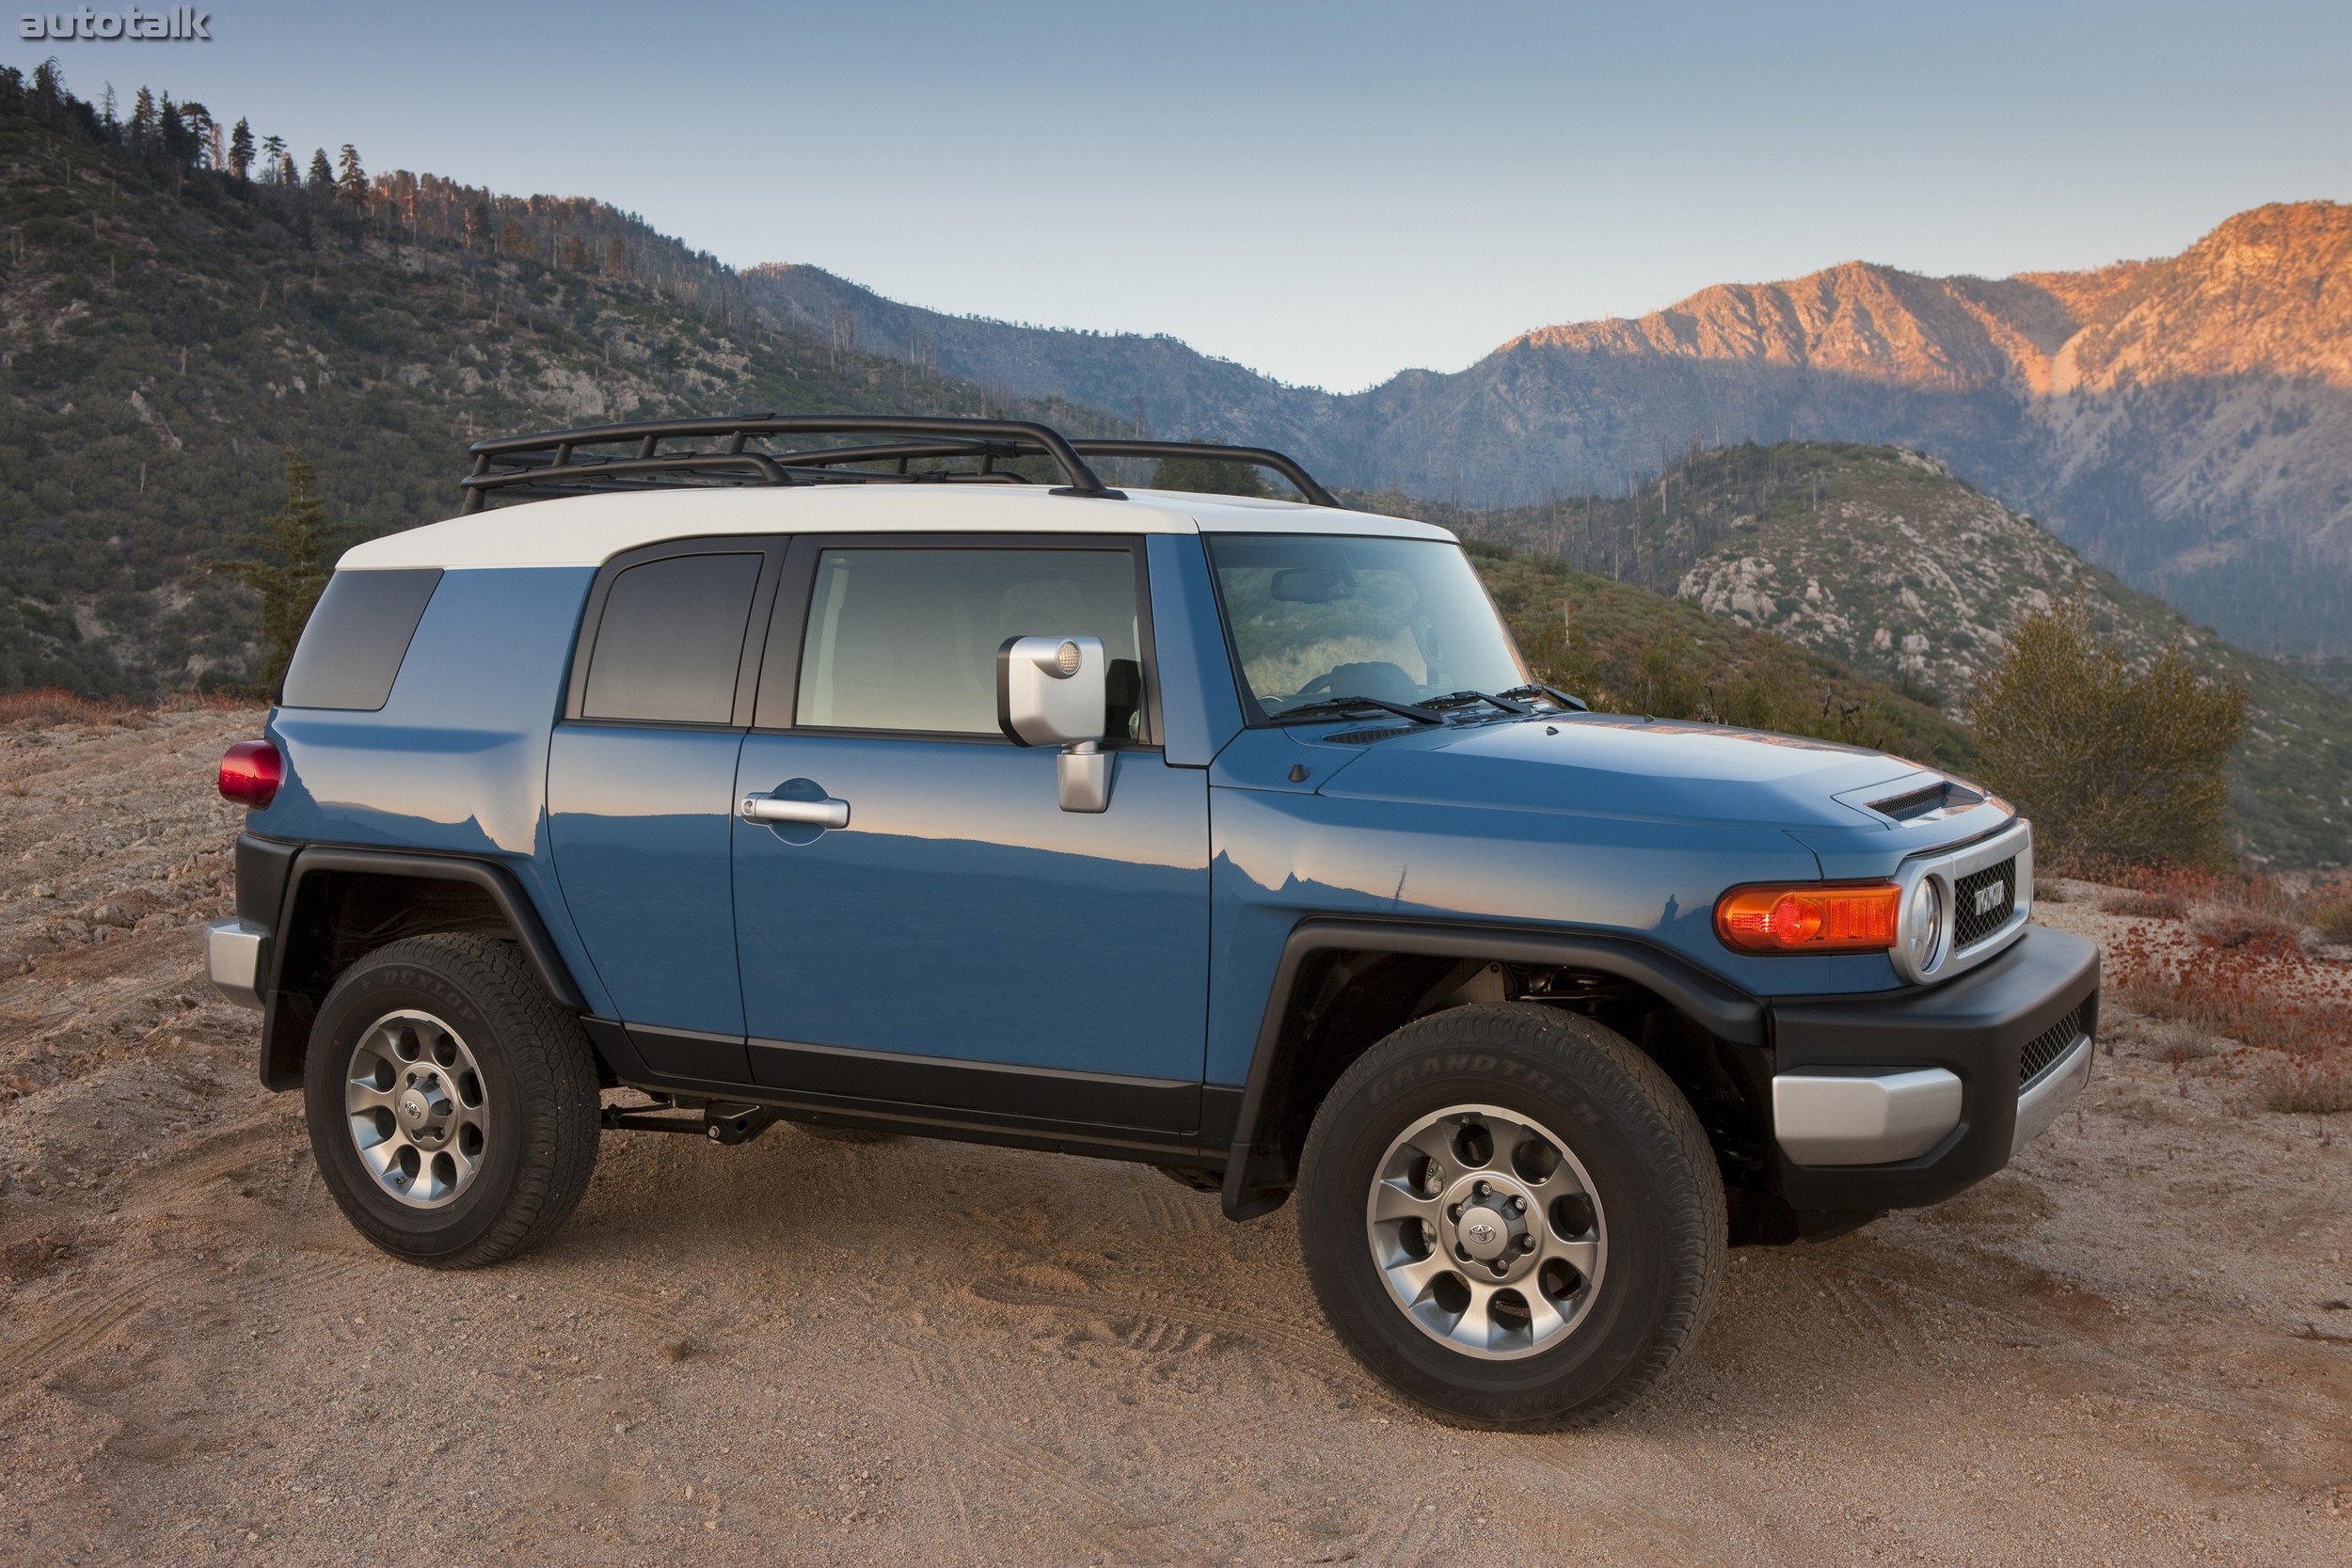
<point x="1316" y="619"/>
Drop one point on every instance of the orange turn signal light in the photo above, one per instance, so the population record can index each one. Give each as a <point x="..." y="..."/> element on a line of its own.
<point x="1812" y="917"/>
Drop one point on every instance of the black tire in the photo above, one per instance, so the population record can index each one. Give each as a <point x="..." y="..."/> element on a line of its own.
<point x="1644" y="1157"/>
<point x="537" y="1091"/>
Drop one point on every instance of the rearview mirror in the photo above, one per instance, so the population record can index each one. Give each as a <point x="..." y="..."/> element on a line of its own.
<point x="1051" y="690"/>
<point x="1313" y="584"/>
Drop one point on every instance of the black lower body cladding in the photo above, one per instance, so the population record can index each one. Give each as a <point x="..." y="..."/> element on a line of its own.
<point x="262" y="866"/>
<point x="1975" y="1026"/>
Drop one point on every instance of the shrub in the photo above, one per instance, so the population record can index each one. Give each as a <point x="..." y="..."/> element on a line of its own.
<point x="2115" y="764"/>
<point x="2331" y="911"/>
<point x="2308" y="1088"/>
<point x="2145" y="906"/>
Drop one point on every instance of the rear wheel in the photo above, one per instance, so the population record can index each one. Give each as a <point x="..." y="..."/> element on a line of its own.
<point x="452" y="1106"/>
<point x="1512" y="1216"/>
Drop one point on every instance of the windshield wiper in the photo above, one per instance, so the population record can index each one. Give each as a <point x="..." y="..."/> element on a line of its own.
<point x="1339" y="708"/>
<point x="1537" y="689"/>
<point x="1464" y="699"/>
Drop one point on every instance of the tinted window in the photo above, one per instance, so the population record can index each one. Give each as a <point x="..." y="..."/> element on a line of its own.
<point x="350" y="653"/>
<point x="907" y="640"/>
<point x="671" y="641"/>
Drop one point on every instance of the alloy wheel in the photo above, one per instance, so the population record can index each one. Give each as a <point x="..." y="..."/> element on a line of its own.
<point x="1487" y="1231"/>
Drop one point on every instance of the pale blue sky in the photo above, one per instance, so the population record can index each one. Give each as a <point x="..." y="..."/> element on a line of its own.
<point x="1327" y="193"/>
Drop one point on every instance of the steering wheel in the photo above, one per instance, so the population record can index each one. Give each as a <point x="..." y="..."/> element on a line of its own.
<point x="1372" y="679"/>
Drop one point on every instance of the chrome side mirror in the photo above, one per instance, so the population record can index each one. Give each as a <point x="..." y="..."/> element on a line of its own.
<point x="1052" y="691"/>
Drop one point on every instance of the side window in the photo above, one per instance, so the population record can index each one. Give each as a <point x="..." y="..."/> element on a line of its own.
<point x="671" y="641"/>
<point x="907" y="639"/>
<point x="351" y="650"/>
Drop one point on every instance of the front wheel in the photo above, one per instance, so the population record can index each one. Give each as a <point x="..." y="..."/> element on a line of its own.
<point x="453" y="1105"/>
<point x="1511" y="1215"/>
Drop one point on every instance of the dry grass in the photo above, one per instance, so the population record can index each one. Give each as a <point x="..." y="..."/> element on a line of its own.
<point x="2310" y="1088"/>
<point x="2241" y="973"/>
<point x="2331" y="911"/>
<point x="52" y="706"/>
<point x="2147" y="906"/>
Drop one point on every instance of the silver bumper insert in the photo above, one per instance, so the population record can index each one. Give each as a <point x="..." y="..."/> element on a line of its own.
<point x="232" y="959"/>
<point x="2039" y="1102"/>
<point x="1826" y="1119"/>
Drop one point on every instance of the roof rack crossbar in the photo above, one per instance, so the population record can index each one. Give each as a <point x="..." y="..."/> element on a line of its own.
<point x="1263" y="457"/>
<point x="592" y="469"/>
<point x="550" y="462"/>
<point x="513" y="461"/>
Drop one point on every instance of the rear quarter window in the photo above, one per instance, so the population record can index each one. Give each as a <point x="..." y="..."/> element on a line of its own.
<point x="670" y="643"/>
<point x="351" y="650"/>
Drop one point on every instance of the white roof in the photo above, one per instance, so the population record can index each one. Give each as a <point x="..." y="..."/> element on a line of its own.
<point x="588" y="530"/>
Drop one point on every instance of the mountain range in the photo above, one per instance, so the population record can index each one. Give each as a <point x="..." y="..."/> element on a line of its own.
<point x="2185" y="422"/>
<point x="166" y="331"/>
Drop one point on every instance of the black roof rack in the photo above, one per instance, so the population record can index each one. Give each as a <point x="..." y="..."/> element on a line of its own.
<point x="551" y="463"/>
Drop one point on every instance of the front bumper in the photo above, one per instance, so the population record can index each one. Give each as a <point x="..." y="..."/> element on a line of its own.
<point x="1895" y="1101"/>
<point x="234" y="950"/>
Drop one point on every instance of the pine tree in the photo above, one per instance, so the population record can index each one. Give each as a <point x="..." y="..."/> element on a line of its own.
<point x="198" y="119"/>
<point x="1208" y="476"/>
<point x="321" y="175"/>
<point x="291" y="571"/>
<point x="171" y="131"/>
<point x="351" y="184"/>
<point x="143" y="123"/>
<point x="241" y="150"/>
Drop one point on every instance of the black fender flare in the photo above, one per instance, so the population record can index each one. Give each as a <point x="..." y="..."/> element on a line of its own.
<point x="281" y="1058"/>
<point x="1257" y="1173"/>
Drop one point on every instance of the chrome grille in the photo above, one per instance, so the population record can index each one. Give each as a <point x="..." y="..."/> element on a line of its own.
<point x="1972" y="924"/>
<point x="2049" y="1045"/>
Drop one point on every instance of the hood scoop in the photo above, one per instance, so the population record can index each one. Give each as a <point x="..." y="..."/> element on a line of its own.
<point x="1931" y="802"/>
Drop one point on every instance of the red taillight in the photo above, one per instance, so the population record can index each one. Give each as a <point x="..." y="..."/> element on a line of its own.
<point x="250" y="772"/>
<point x="1808" y="918"/>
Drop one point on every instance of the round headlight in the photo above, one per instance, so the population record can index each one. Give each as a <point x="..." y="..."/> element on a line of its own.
<point x="1923" y="925"/>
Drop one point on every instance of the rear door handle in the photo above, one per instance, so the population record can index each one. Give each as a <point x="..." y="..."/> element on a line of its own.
<point x="827" y="813"/>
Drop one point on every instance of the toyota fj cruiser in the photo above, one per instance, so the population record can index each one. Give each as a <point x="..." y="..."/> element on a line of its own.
<point x="932" y="785"/>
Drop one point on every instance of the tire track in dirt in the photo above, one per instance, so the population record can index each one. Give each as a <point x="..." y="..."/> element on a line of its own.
<point x="71" y="1327"/>
<point x="1194" y="1325"/>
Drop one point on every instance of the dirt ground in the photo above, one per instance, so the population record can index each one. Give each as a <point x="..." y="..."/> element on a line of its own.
<point x="2134" y="1347"/>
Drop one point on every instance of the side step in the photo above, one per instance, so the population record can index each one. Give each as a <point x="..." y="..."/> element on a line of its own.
<point x="719" y="1123"/>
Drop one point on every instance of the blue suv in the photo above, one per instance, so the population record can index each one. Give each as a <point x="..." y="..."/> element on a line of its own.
<point x="900" y="775"/>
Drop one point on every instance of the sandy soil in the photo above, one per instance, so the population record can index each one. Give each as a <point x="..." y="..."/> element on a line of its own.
<point x="2134" y="1347"/>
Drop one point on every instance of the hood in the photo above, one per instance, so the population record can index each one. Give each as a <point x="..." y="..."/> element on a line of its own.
<point x="1615" y="765"/>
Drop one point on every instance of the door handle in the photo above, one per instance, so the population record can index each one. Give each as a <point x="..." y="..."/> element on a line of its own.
<point x="827" y="813"/>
